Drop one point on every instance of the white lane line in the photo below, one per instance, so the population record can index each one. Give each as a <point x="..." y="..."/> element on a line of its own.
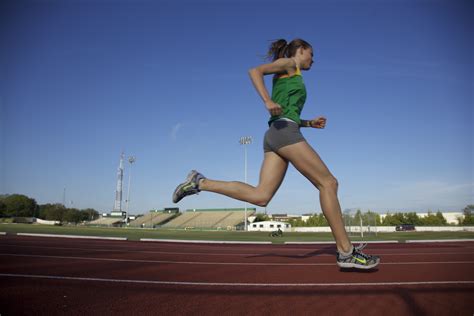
<point x="71" y="236"/>
<point x="140" y="251"/>
<point x="187" y="241"/>
<point x="57" y="277"/>
<point x="171" y="262"/>
<point x="226" y="263"/>
<point x="333" y="242"/>
<point x="264" y="254"/>
<point x="439" y="240"/>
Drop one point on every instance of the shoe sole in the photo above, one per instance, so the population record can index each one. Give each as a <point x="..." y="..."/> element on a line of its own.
<point x="357" y="266"/>
<point x="176" y="199"/>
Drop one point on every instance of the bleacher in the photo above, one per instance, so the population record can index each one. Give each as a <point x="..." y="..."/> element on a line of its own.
<point x="107" y="221"/>
<point x="225" y="219"/>
<point x="151" y="219"/>
<point x="180" y="221"/>
<point x="234" y="219"/>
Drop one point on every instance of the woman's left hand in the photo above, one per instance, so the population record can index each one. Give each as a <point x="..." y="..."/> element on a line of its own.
<point x="319" y="122"/>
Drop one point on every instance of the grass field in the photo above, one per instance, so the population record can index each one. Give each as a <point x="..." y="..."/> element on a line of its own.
<point x="136" y="234"/>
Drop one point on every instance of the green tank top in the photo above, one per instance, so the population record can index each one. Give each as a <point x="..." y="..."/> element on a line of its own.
<point x="290" y="93"/>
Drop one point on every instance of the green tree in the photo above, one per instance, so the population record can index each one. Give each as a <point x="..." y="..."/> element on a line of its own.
<point x="412" y="218"/>
<point x="322" y="220"/>
<point x="20" y="206"/>
<point x="52" y="212"/>
<point x="261" y="217"/>
<point x="89" y="214"/>
<point x="393" y="219"/>
<point x="371" y="218"/>
<point x="316" y="220"/>
<point x="72" y="215"/>
<point x="441" y="220"/>
<point x="433" y="219"/>
<point x="348" y="218"/>
<point x="468" y="216"/>
<point x="3" y="208"/>
<point x="296" y="222"/>
<point x="358" y="218"/>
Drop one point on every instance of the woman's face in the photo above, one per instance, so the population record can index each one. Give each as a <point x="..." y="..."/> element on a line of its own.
<point x="306" y="58"/>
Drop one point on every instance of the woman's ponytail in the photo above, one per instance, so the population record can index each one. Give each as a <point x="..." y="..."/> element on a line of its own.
<point x="277" y="49"/>
<point x="280" y="48"/>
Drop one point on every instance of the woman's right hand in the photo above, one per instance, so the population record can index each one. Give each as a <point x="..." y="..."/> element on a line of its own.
<point x="273" y="108"/>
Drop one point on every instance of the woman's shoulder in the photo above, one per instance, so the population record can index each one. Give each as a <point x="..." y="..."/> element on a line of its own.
<point x="288" y="63"/>
<point x="281" y="66"/>
<point x="290" y="69"/>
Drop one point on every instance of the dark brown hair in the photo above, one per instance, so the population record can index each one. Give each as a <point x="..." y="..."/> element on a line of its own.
<point x="280" y="48"/>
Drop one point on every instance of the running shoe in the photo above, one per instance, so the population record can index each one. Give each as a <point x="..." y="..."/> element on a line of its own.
<point x="358" y="259"/>
<point x="188" y="187"/>
<point x="361" y="246"/>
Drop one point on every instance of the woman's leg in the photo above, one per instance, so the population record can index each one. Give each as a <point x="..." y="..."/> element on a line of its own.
<point x="307" y="161"/>
<point x="271" y="175"/>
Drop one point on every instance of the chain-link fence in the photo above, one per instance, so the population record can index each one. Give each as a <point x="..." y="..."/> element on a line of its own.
<point x="360" y="224"/>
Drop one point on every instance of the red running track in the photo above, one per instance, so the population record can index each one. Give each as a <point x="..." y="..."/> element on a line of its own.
<point x="54" y="276"/>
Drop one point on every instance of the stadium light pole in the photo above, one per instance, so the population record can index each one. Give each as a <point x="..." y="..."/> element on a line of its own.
<point x="131" y="160"/>
<point x="247" y="140"/>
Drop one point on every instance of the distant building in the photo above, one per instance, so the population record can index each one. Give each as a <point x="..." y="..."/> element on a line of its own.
<point x="451" y="217"/>
<point x="284" y="217"/>
<point x="249" y="209"/>
<point x="268" y="226"/>
<point x="118" y="214"/>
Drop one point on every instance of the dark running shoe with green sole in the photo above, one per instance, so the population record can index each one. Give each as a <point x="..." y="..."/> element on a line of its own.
<point x="358" y="259"/>
<point x="188" y="187"/>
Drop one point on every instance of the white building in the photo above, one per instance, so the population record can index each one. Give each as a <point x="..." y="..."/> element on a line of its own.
<point x="451" y="217"/>
<point x="268" y="226"/>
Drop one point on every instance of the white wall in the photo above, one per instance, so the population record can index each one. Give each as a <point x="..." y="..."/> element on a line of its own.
<point x="386" y="229"/>
<point x="44" y="222"/>
<point x="445" y="228"/>
<point x="268" y="226"/>
<point x="327" y="229"/>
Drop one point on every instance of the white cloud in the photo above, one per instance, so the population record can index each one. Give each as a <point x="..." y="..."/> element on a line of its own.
<point x="175" y="130"/>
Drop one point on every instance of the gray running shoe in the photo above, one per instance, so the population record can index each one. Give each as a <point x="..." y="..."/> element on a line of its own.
<point x="188" y="187"/>
<point x="358" y="259"/>
<point x="361" y="246"/>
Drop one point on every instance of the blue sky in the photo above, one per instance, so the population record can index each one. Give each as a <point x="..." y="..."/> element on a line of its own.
<point x="166" y="81"/>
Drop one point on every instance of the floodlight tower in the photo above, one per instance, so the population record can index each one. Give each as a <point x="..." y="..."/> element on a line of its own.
<point x="247" y="140"/>
<point x="131" y="160"/>
<point x="118" y="190"/>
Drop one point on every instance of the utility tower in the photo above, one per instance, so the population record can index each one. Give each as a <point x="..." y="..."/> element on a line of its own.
<point x="118" y="191"/>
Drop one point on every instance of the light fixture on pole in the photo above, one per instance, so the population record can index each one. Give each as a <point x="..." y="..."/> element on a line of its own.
<point x="131" y="160"/>
<point x="247" y="140"/>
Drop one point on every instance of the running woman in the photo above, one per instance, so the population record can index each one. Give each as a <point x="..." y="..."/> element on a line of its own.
<point x="284" y="144"/>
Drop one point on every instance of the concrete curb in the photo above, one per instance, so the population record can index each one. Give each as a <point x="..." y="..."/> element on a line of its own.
<point x="208" y="241"/>
<point x="438" y="240"/>
<point x="71" y="236"/>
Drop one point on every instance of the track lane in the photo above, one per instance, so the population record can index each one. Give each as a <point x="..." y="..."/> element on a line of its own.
<point x="68" y="296"/>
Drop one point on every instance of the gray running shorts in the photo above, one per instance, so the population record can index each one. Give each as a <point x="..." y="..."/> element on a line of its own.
<point x="280" y="134"/>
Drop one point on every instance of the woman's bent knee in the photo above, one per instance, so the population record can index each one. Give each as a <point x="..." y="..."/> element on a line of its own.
<point x="263" y="199"/>
<point x="329" y="183"/>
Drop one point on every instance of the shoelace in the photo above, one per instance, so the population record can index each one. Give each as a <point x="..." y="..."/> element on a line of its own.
<point x="365" y="256"/>
<point x="361" y="246"/>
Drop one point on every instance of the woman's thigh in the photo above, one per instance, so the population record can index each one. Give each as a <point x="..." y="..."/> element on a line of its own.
<point x="272" y="173"/>
<point x="307" y="161"/>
